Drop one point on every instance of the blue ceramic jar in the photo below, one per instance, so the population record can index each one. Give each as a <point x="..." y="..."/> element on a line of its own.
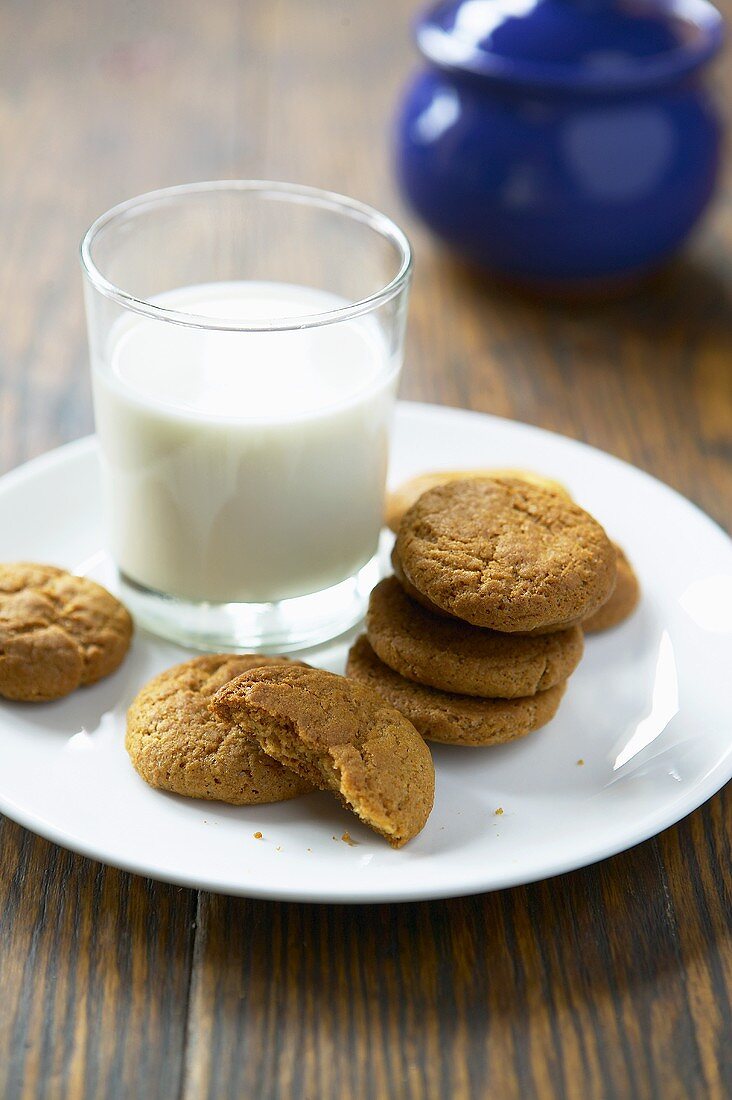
<point x="562" y="143"/>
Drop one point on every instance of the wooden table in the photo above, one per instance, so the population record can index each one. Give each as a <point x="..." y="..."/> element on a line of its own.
<point x="614" y="981"/>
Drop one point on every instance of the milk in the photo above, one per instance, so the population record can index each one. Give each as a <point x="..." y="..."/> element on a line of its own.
<point x="244" y="466"/>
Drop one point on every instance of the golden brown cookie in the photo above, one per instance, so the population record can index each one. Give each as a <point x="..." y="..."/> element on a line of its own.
<point x="623" y="601"/>
<point x="418" y="597"/>
<point x="414" y="594"/>
<point x="447" y="717"/>
<point x="57" y="632"/>
<point x="401" y="499"/>
<point x="341" y="737"/>
<point x="506" y="555"/>
<point x="176" y="744"/>
<point x="451" y="655"/>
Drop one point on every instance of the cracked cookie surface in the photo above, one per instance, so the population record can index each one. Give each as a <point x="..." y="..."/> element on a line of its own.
<point x="506" y="555"/>
<point x="450" y="718"/>
<point x="177" y="744"/>
<point x="452" y="656"/>
<point x="342" y="737"/>
<point x="57" y="632"/>
<point x="418" y="597"/>
<point x="401" y="499"/>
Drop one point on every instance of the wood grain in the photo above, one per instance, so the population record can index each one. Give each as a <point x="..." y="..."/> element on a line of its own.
<point x="615" y="981"/>
<point x="95" y="971"/>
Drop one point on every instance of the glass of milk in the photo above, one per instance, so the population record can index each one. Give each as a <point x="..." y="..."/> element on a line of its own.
<point x="246" y="342"/>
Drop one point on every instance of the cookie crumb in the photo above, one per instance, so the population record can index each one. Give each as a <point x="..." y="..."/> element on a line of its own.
<point x="346" y="838"/>
<point x="257" y="836"/>
<point x="308" y="849"/>
<point x="278" y="848"/>
<point x="499" y="811"/>
<point x="580" y="762"/>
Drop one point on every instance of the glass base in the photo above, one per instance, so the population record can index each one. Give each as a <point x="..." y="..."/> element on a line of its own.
<point x="253" y="627"/>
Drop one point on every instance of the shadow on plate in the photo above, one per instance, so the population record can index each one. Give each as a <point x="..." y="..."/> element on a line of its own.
<point x="321" y="819"/>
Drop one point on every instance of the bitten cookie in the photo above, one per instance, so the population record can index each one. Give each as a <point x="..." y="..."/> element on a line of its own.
<point x="340" y="736"/>
<point x="623" y="601"/>
<point x="57" y="632"/>
<point x="506" y="555"/>
<point x="176" y="744"/>
<point x="451" y="655"/>
<point x="401" y="499"/>
<point x="453" y="719"/>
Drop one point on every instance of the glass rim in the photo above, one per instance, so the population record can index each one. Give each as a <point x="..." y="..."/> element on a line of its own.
<point x="295" y="192"/>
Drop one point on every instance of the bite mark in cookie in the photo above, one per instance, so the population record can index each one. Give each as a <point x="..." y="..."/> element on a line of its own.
<point x="341" y="737"/>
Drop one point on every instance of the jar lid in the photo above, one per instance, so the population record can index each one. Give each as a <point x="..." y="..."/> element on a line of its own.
<point x="600" y="46"/>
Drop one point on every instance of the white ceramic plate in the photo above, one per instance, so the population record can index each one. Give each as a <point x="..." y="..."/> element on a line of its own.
<point x="648" y="709"/>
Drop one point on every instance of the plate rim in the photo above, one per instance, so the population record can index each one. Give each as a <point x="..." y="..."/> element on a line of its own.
<point x="667" y="815"/>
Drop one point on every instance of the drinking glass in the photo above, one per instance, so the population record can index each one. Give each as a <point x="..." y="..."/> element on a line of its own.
<point x="246" y="340"/>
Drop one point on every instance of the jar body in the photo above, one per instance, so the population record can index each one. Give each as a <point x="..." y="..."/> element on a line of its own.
<point x="554" y="189"/>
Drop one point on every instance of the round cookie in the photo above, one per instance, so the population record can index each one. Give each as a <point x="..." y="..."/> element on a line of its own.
<point x="401" y="499"/>
<point x="340" y="736"/>
<point x="450" y="718"/>
<point x="452" y="656"/>
<point x="503" y="554"/>
<point x="57" y="632"/>
<point x="623" y="601"/>
<point x="176" y="744"/>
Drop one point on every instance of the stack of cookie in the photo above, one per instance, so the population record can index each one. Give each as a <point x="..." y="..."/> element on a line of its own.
<point x="474" y="637"/>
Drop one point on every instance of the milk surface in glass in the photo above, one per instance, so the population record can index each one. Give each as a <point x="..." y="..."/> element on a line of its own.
<point x="244" y="466"/>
